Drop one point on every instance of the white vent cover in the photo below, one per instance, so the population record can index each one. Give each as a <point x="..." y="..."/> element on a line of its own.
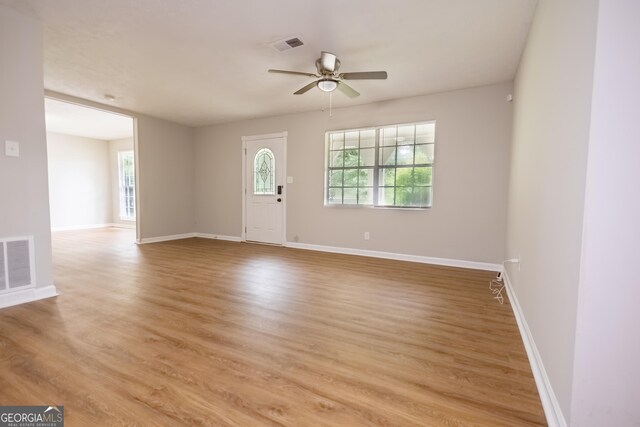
<point x="16" y="263"/>
<point x="286" y="44"/>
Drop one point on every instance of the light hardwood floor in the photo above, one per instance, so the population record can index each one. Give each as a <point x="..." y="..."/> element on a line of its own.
<point x="205" y="332"/>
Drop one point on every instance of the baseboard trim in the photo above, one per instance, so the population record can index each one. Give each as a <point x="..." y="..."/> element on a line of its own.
<point x="218" y="237"/>
<point x="400" y="257"/>
<point x="146" y="240"/>
<point x="23" y="296"/>
<point x="188" y="236"/>
<point x="121" y="225"/>
<point x="338" y="250"/>
<point x="81" y="227"/>
<point x="93" y="226"/>
<point x="550" y="404"/>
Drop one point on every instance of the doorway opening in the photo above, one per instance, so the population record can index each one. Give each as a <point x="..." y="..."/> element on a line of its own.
<point x="92" y="167"/>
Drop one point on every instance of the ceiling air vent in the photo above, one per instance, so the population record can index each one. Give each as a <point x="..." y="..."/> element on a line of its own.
<point x="289" y="43"/>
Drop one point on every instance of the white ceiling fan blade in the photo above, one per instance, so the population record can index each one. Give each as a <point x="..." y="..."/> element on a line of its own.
<point x="365" y="75"/>
<point x="305" y="89"/>
<point x="347" y="90"/>
<point x="297" y="73"/>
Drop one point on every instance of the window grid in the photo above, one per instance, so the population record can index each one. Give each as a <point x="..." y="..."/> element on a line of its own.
<point x="357" y="166"/>
<point x="415" y="187"/>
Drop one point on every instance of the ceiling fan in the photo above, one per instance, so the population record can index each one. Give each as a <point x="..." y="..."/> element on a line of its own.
<point x="329" y="78"/>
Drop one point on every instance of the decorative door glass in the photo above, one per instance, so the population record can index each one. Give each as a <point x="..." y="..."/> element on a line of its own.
<point x="264" y="173"/>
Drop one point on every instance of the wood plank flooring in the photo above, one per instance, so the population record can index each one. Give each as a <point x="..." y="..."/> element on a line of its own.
<point x="213" y="333"/>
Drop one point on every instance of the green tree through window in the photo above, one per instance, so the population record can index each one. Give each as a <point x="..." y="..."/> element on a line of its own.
<point x="387" y="166"/>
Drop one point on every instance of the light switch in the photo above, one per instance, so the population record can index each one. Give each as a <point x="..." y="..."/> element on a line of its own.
<point x="289" y="180"/>
<point x="12" y="148"/>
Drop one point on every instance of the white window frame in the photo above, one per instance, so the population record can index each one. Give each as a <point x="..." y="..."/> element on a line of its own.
<point x="376" y="168"/>
<point x="126" y="212"/>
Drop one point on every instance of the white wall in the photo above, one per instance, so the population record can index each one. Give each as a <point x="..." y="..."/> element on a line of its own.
<point x="552" y="100"/>
<point x="24" y="198"/>
<point x="606" y="385"/>
<point x="125" y="144"/>
<point x="576" y="226"/>
<point x="467" y="221"/>
<point x="79" y="181"/>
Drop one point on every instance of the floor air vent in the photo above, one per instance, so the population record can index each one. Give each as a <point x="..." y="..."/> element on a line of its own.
<point x="16" y="263"/>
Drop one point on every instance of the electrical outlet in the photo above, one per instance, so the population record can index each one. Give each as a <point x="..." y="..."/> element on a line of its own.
<point x="12" y="148"/>
<point x="367" y="236"/>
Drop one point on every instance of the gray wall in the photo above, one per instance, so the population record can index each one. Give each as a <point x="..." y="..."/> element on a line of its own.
<point x="79" y="181"/>
<point x="24" y="198"/>
<point x="552" y="101"/>
<point x="606" y="385"/>
<point x="165" y="178"/>
<point x="468" y="217"/>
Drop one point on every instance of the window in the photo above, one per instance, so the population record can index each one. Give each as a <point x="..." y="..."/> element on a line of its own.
<point x="127" y="185"/>
<point x="389" y="166"/>
<point x="263" y="173"/>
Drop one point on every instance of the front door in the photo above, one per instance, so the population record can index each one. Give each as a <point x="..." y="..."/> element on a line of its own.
<point x="264" y="166"/>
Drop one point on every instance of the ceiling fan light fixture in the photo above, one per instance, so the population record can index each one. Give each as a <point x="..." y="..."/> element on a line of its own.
<point x="327" y="85"/>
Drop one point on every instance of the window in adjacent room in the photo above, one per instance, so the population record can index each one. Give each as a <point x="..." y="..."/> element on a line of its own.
<point x="127" y="185"/>
<point x="388" y="166"/>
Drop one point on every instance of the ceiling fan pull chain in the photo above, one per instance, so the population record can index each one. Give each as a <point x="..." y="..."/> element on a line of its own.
<point x="330" y="98"/>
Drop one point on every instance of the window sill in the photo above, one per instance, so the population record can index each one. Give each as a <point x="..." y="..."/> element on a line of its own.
<point x="397" y="208"/>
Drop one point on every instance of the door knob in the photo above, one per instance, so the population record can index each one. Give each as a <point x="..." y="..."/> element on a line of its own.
<point x="279" y="199"/>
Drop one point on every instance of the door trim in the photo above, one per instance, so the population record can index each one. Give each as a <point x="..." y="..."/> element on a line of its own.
<point x="243" y="153"/>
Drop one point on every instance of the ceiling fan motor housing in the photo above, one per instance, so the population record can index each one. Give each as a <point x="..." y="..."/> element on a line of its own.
<point x="328" y="64"/>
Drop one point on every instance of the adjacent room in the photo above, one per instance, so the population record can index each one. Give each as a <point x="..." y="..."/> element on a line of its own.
<point x="91" y="164"/>
<point x="284" y="213"/>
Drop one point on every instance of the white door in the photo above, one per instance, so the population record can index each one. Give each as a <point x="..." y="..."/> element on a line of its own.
<point x="264" y="166"/>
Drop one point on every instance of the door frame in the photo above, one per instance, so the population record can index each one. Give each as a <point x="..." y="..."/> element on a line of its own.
<point x="70" y="99"/>
<point x="283" y="135"/>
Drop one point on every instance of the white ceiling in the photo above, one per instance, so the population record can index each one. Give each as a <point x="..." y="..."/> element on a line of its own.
<point x="201" y="62"/>
<point x="70" y="119"/>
